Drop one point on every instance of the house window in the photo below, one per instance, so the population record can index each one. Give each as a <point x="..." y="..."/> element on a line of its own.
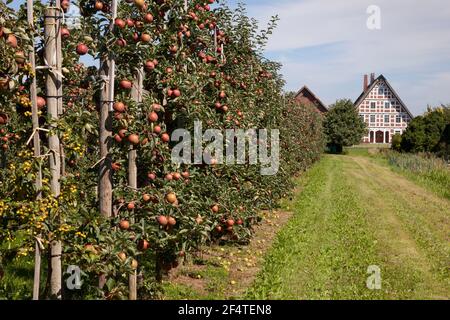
<point x="372" y="118"/>
<point x="398" y="119"/>
<point x="386" y="118"/>
<point x="398" y="132"/>
<point x="373" y="105"/>
<point x="380" y="91"/>
<point x="387" y="105"/>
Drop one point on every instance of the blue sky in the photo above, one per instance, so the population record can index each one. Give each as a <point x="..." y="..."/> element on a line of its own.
<point x="326" y="45"/>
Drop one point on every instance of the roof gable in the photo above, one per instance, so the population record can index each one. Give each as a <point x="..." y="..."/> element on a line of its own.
<point x="306" y="92"/>
<point x="378" y="80"/>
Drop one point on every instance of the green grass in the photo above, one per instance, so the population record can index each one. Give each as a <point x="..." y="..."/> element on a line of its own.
<point x="320" y="236"/>
<point x="17" y="283"/>
<point x="429" y="172"/>
<point x="337" y="232"/>
<point x="216" y="284"/>
<point x="356" y="151"/>
<point x="213" y="279"/>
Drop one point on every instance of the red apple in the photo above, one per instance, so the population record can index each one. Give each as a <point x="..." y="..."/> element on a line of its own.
<point x="153" y="116"/>
<point x="176" y="93"/>
<point x="162" y="220"/>
<point x="65" y="33"/>
<point x="148" y="18"/>
<point x="171" y="221"/>
<point x="165" y="137"/>
<point x="157" y="129"/>
<point x="40" y="102"/>
<point x="124" y="225"/>
<point x="125" y="84"/>
<point x="82" y="49"/>
<point x="133" y="139"/>
<point x="143" y="245"/>
<point x="119" y="107"/>
<point x="149" y="65"/>
<point x="119" y="23"/>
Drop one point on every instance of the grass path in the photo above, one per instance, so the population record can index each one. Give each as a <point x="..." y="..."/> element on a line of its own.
<point x="354" y="213"/>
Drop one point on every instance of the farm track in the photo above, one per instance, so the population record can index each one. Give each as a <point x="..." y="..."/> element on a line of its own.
<point x="354" y="213"/>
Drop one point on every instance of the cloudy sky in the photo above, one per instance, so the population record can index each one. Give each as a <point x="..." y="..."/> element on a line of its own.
<point x="327" y="45"/>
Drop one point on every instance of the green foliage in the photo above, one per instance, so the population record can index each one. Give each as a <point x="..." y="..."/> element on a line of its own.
<point x="429" y="132"/>
<point x="396" y="142"/>
<point x="342" y="126"/>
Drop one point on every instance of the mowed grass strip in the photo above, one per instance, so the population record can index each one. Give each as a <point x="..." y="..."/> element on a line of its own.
<point x="326" y="248"/>
<point x="353" y="213"/>
<point x="412" y="228"/>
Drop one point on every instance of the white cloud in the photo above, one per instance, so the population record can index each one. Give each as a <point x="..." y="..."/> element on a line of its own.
<point x="412" y="48"/>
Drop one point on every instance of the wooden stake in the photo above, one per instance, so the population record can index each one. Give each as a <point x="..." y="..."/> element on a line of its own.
<point x="136" y="94"/>
<point x="36" y="150"/>
<point x="107" y="73"/>
<point x="51" y="26"/>
<point x="60" y="91"/>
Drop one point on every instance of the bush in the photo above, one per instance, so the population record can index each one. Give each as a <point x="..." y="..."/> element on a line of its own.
<point x="428" y="133"/>
<point x="396" y="142"/>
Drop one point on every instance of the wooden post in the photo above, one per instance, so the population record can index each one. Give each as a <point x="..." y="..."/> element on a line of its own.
<point x="36" y="149"/>
<point x="51" y="26"/>
<point x="107" y="73"/>
<point x="136" y="94"/>
<point x="60" y="90"/>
